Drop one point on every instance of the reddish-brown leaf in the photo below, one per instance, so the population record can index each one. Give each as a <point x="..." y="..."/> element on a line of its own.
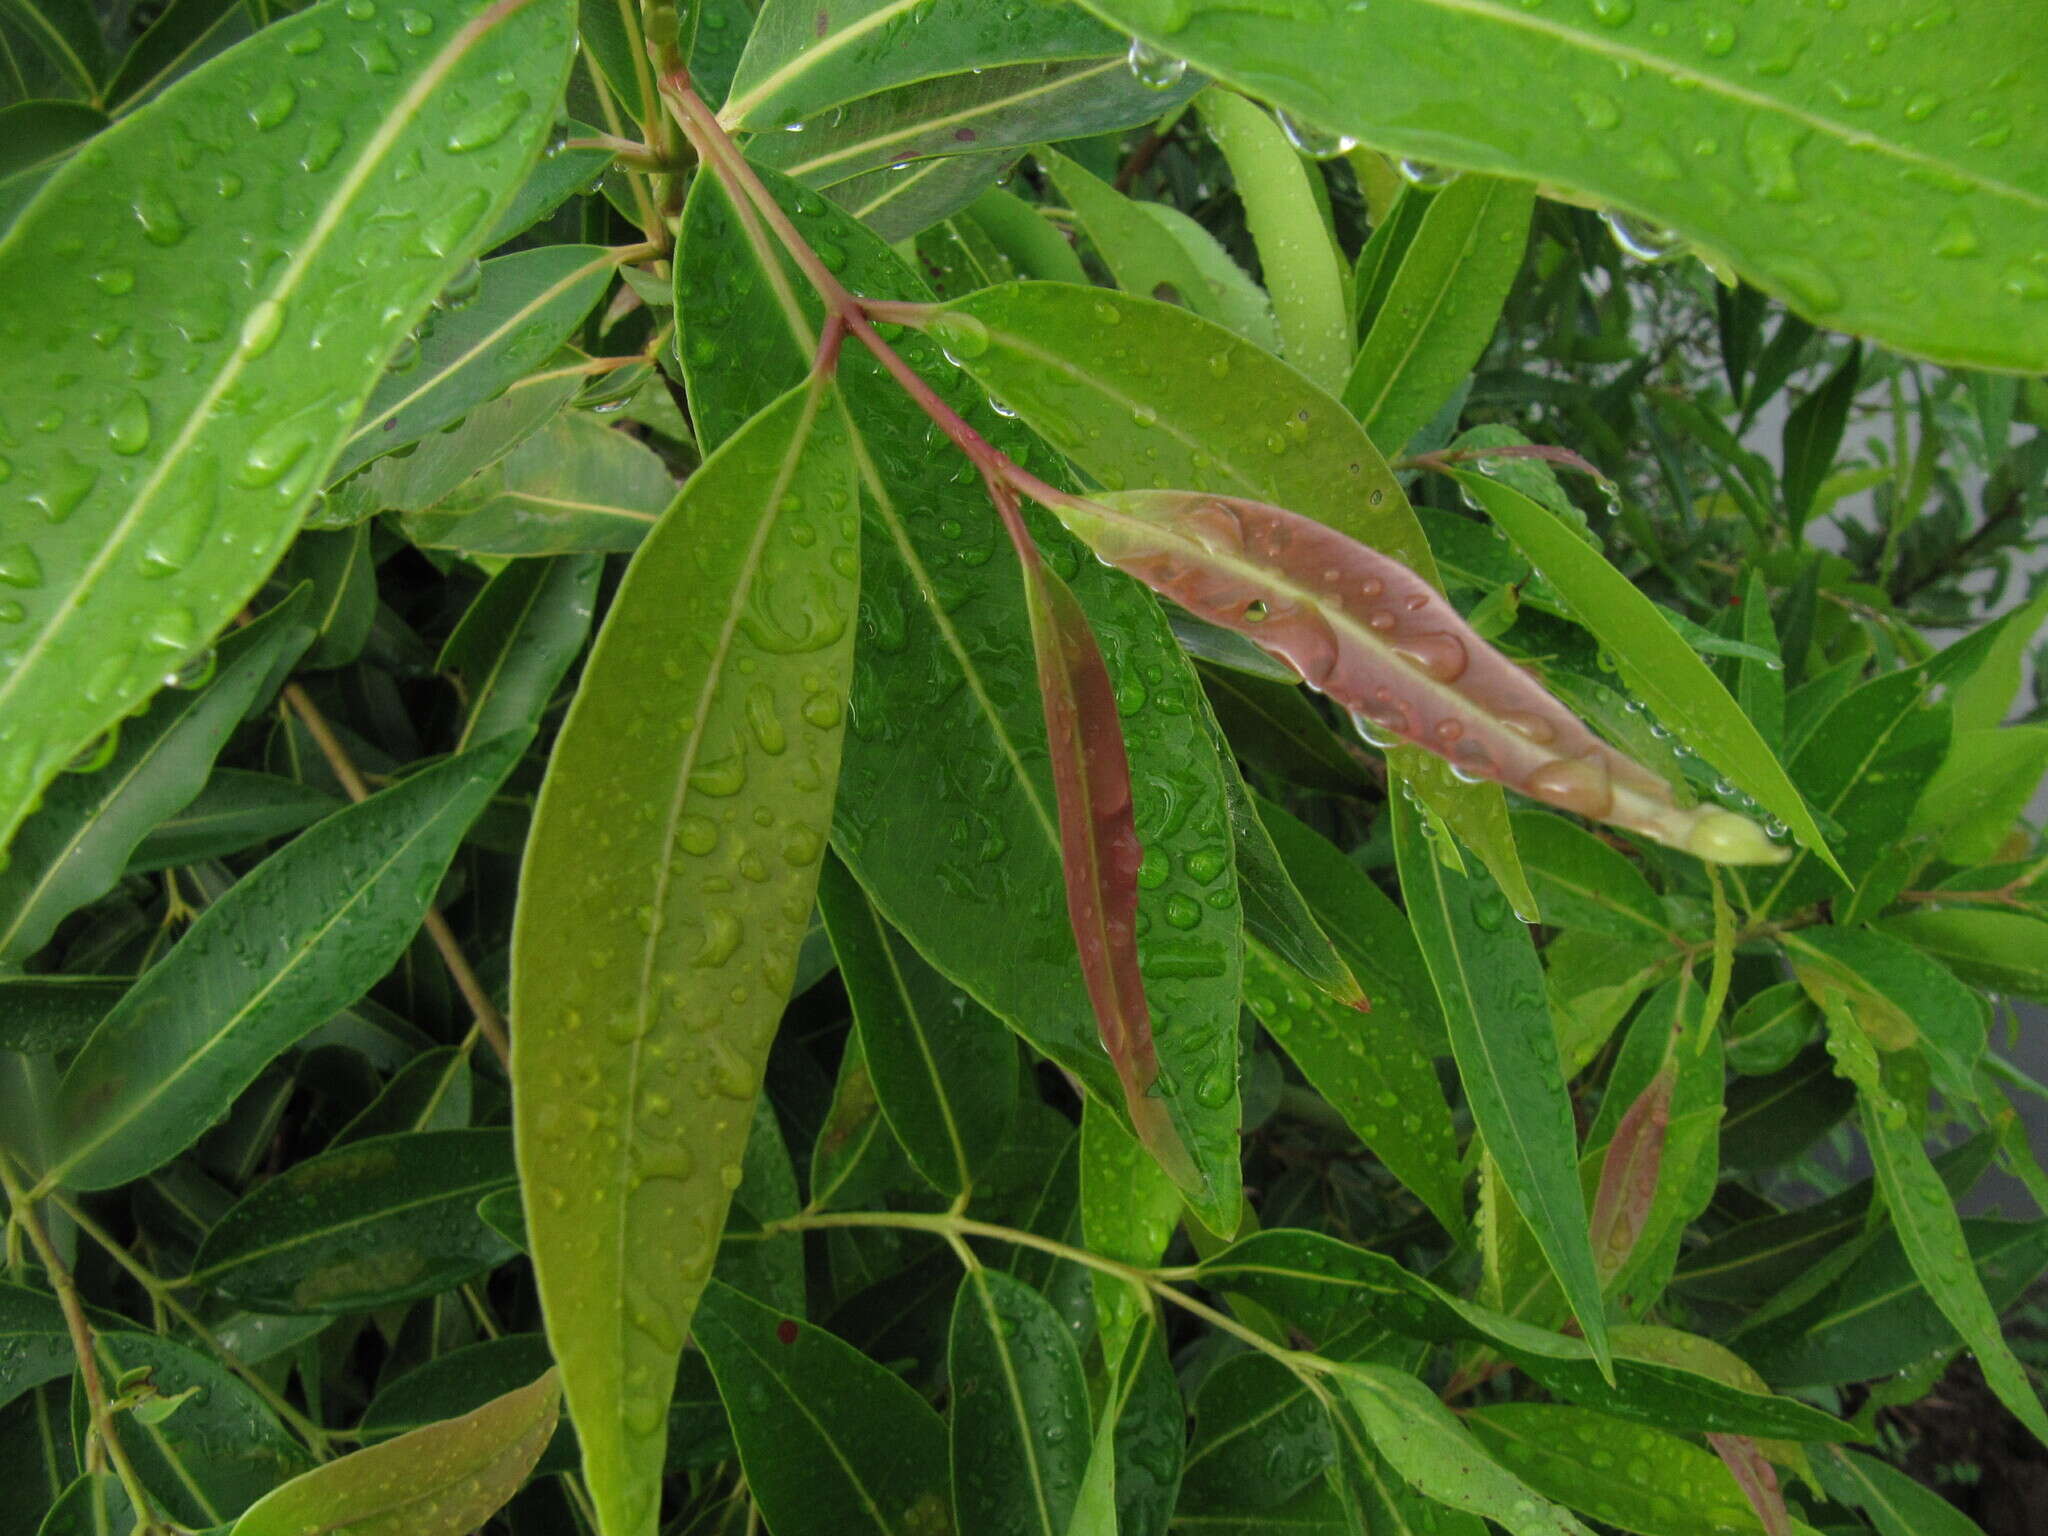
<point x="1099" y="851"/>
<point x="1757" y="1478"/>
<point x="1373" y="635"/>
<point x="1628" y="1177"/>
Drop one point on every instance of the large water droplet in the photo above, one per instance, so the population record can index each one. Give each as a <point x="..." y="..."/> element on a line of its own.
<point x="275" y="104"/>
<point x="1442" y="656"/>
<point x="1642" y="238"/>
<point x="161" y="222"/>
<point x="1316" y="142"/>
<point x="961" y="336"/>
<point x="488" y="124"/>
<point x="1580" y="785"/>
<point x="19" y="566"/>
<point x="1424" y="174"/>
<point x="260" y="327"/>
<point x="1153" y="68"/>
<point x="128" y="424"/>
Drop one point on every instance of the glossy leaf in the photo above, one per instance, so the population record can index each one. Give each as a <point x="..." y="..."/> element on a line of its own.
<point x="964" y="861"/>
<point x="1298" y="254"/>
<point x="1655" y="662"/>
<point x="1275" y="911"/>
<point x="1932" y="1235"/>
<point x="1146" y="1424"/>
<point x="382" y="1220"/>
<point x="1490" y="984"/>
<point x="35" y="1342"/>
<point x="1382" y="644"/>
<point x="96" y="1505"/>
<point x="944" y="1069"/>
<point x="432" y="1092"/>
<point x="1369" y="1068"/>
<point x="1141" y="253"/>
<point x="1441" y="306"/>
<point x="1259" y="1437"/>
<point x="1128" y="1210"/>
<point x="1019" y="1413"/>
<point x="220" y="1452"/>
<point x="515" y="312"/>
<point x="299" y="938"/>
<point x="1181" y="384"/>
<point x="73" y="849"/>
<point x="160" y="515"/>
<point x="1431" y="1449"/>
<point x="1582" y="882"/>
<point x="795" y="64"/>
<point x="441" y="1480"/>
<point x="234" y="810"/>
<point x="831" y="1443"/>
<point x="1766" y="165"/>
<point x="2003" y="950"/>
<point x="1895" y="1503"/>
<point x="1625" y="1475"/>
<point x="1912" y="995"/>
<point x="572" y="487"/>
<point x="39" y="136"/>
<point x="461" y="1381"/>
<point x="517" y="640"/>
<point x="1326" y="1288"/>
<point x="694" y="915"/>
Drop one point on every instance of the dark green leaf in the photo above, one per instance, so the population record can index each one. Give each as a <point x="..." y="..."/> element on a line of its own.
<point x="1019" y="1430"/>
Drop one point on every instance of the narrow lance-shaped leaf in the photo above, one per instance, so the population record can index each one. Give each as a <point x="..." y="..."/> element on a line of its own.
<point x="1757" y="1479"/>
<point x="1490" y="982"/>
<point x="1019" y="1409"/>
<point x="1665" y="672"/>
<point x="302" y="936"/>
<point x="1099" y="850"/>
<point x="1387" y="646"/>
<point x="667" y="885"/>
<point x="260" y="312"/>
<point x="1758" y="133"/>
<point x="440" y="1480"/>
<point x="1628" y="1176"/>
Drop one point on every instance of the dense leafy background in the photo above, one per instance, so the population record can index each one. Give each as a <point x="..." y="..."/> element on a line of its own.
<point x="417" y="508"/>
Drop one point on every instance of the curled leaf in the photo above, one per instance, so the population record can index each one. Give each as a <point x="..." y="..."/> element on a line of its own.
<point x="1099" y="851"/>
<point x="1376" y="637"/>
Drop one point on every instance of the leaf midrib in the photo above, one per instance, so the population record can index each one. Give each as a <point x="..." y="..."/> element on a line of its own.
<point x="379" y="146"/>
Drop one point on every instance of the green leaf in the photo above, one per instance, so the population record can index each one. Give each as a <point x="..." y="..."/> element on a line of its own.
<point x="1756" y="160"/>
<point x="35" y="1342"/>
<point x="1327" y="1288"/>
<point x="1142" y="254"/>
<point x="797" y="62"/>
<point x="1276" y="914"/>
<point x="573" y="486"/>
<point x="1912" y="994"/>
<point x="518" y="639"/>
<point x="948" y="826"/>
<point x="1895" y="1503"/>
<point x="1260" y="1438"/>
<point x="1128" y="1211"/>
<point x="1879" y="1318"/>
<point x="1490" y="984"/>
<point x="1582" y="882"/>
<point x="1984" y="785"/>
<point x="1769" y="1029"/>
<point x="72" y="851"/>
<point x="769" y="1269"/>
<point x="1019" y="1430"/>
<point x="293" y="942"/>
<point x="1432" y="1450"/>
<point x="518" y="309"/>
<point x="956" y="127"/>
<point x="461" y="1381"/>
<point x="432" y="1092"/>
<point x="1298" y="254"/>
<point x="1272" y="725"/>
<point x="1183" y="384"/>
<point x="1932" y="1236"/>
<point x="1370" y="1069"/>
<point x="219" y="1453"/>
<point x="831" y="1443"/>
<point x="378" y="1221"/>
<point x="1146" y="1421"/>
<point x="944" y="1069"/>
<point x="1440" y="309"/>
<point x="341" y="569"/>
<point x="96" y="1505"/>
<point x="68" y="33"/>
<point x="441" y="1480"/>
<point x="160" y="515"/>
<point x="1626" y="1475"/>
<point x="1813" y="435"/>
<point x="655" y="992"/>
<point x="1655" y="662"/>
<point x="2005" y="951"/>
<point x="184" y="36"/>
<point x="1982" y="699"/>
<point x="1882" y="722"/>
<point x="39" y="136"/>
<point x="235" y="811"/>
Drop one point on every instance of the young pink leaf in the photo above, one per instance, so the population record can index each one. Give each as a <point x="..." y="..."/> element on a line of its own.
<point x="1757" y="1478"/>
<point x="1364" y="629"/>
<point x="1628" y="1177"/>
<point x="1099" y="851"/>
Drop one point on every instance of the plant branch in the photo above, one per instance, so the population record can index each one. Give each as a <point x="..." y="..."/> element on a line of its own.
<point x="488" y="1018"/>
<point x="104" y="1438"/>
<point x="162" y="1293"/>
